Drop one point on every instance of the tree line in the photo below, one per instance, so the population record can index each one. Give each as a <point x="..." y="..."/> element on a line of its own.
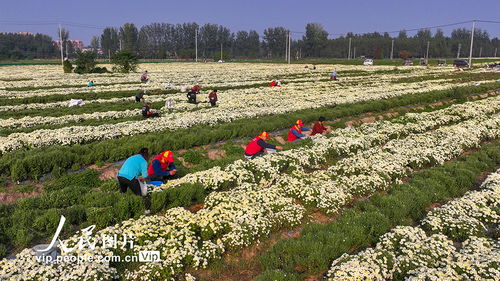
<point x="164" y="40"/>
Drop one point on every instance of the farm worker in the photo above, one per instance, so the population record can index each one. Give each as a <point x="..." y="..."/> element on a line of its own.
<point x="90" y="84"/>
<point x="196" y="88"/>
<point x="140" y="96"/>
<point x="295" y="132"/>
<point x="275" y="83"/>
<point x="146" y="110"/>
<point x="319" y="127"/>
<point x="258" y="146"/>
<point x="212" y="97"/>
<point x="191" y="95"/>
<point x="134" y="169"/>
<point x="162" y="166"/>
<point x="334" y="75"/>
<point x="145" y="76"/>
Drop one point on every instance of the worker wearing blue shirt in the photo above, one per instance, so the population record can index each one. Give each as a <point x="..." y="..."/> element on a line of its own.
<point x="130" y="173"/>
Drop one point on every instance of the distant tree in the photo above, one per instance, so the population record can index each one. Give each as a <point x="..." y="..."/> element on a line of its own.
<point x="21" y="46"/>
<point x="439" y="34"/>
<point x="402" y="34"/>
<point x="128" y="37"/>
<point x="275" y="41"/>
<point x="315" y="39"/>
<point x="460" y="33"/>
<point x="64" y="36"/>
<point x="85" y="62"/>
<point x="95" y="43"/>
<point x="424" y="33"/>
<point x="124" y="61"/>
<point x="110" y="41"/>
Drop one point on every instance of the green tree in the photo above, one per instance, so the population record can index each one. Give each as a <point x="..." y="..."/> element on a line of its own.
<point x="110" y="41"/>
<point x="124" y="61"/>
<point x="85" y="62"/>
<point x="315" y="39"/>
<point x="128" y="37"/>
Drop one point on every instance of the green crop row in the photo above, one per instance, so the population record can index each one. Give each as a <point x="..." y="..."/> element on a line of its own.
<point x="34" y="163"/>
<point x="362" y="225"/>
<point x="84" y="200"/>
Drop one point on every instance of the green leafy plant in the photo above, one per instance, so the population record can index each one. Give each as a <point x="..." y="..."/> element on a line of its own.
<point x="125" y="61"/>
<point x="67" y="66"/>
<point x="85" y="62"/>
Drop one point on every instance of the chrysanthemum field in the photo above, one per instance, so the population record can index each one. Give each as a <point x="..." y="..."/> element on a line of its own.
<point x="405" y="187"/>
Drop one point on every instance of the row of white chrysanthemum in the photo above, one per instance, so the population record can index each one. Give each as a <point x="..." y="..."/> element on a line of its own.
<point x="292" y="82"/>
<point x="239" y="217"/>
<point x="253" y="104"/>
<point x="177" y="102"/>
<point x="181" y="74"/>
<point x="46" y="76"/>
<point x="409" y="253"/>
<point x="340" y="142"/>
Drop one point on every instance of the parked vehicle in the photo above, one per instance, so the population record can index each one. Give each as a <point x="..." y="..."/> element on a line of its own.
<point x="368" y="62"/>
<point x="460" y="63"/>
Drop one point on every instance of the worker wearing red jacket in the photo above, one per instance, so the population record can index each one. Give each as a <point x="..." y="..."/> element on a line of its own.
<point x="258" y="146"/>
<point x="162" y="167"/>
<point x="295" y="132"/>
<point x="275" y="83"/>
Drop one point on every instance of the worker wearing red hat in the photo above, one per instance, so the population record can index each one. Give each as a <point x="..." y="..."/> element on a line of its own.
<point x="295" y="132"/>
<point x="258" y="146"/>
<point x="162" y="167"/>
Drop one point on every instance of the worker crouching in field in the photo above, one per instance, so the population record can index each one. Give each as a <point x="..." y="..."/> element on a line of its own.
<point x="295" y="132"/>
<point x="333" y="76"/>
<point x="275" y="83"/>
<point x="191" y="95"/>
<point x="130" y="173"/>
<point x="146" y="111"/>
<point x="139" y="97"/>
<point x="258" y="146"/>
<point x="212" y="97"/>
<point x="162" y="167"/>
<point x="320" y="128"/>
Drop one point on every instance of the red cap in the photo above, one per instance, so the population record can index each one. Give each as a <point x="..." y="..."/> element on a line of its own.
<point x="299" y="122"/>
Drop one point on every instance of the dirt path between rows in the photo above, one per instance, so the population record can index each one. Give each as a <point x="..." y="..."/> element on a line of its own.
<point x="109" y="170"/>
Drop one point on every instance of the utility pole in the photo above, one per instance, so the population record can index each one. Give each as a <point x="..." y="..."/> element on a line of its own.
<point x="495" y="55"/>
<point x="60" y="41"/>
<point x="427" y="53"/>
<point x="458" y="52"/>
<point x="286" y="48"/>
<point x="471" y="43"/>
<point x="289" y="47"/>
<point x="196" y="44"/>
<point x="354" y="55"/>
<point x="349" y="53"/>
<point x="480" y="51"/>
<point x="220" y="51"/>
<point x="392" y="48"/>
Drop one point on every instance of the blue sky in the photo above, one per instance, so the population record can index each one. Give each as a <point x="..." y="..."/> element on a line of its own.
<point x="337" y="17"/>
